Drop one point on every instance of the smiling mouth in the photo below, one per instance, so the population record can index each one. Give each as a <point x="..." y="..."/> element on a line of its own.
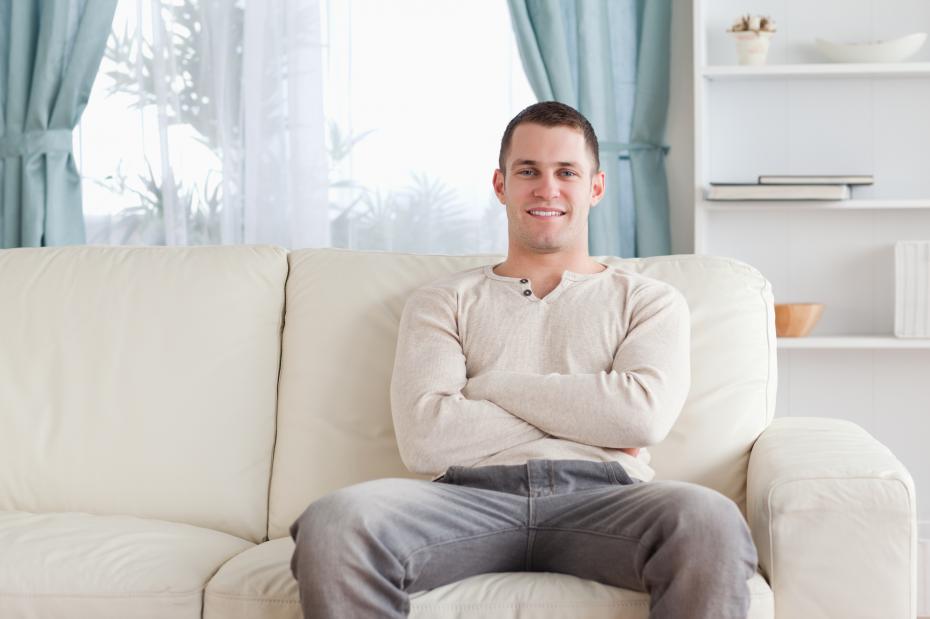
<point x="545" y="213"/>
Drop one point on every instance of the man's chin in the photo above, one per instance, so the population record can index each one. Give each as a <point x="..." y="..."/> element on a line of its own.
<point x="546" y="244"/>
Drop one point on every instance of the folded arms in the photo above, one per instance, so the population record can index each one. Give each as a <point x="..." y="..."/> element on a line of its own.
<point x="444" y="418"/>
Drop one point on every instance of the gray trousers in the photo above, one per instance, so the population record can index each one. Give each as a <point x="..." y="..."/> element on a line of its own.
<point x="363" y="549"/>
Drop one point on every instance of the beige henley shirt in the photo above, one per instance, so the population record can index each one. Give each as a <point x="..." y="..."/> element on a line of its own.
<point x="487" y="373"/>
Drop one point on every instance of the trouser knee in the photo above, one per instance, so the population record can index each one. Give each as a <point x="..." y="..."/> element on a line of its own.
<point x="706" y="527"/>
<point x="348" y="518"/>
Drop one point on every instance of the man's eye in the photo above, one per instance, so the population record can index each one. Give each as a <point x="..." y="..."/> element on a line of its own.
<point x="522" y="171"/>
<point x="569" y="172"/>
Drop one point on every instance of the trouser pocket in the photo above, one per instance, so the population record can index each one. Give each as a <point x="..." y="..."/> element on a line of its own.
<point x="619" y="474"/>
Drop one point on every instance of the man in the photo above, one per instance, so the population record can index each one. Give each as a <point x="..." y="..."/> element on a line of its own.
<point x="529" y="390"/>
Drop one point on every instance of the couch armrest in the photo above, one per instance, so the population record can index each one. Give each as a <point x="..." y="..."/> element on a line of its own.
<point x="833" y="516"/>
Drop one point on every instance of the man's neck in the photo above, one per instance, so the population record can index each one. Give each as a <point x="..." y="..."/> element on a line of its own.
<point x="547" y="267"/>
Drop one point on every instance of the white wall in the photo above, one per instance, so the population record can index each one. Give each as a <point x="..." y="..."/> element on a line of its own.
<point x="679" y="133"/>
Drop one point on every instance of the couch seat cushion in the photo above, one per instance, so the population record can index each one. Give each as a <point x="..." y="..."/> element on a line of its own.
<point x="544" y="595"/>
<point x="258" y="584"/>
<point x="79" y="565"/>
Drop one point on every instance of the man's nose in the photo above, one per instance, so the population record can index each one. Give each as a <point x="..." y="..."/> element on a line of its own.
<point x="547" y="188"/>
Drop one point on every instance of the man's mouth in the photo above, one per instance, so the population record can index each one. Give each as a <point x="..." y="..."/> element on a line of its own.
<point x="545" y="212"/>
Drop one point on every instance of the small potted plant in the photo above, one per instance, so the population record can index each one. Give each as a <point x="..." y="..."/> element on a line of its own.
<point x="752" y="34"/>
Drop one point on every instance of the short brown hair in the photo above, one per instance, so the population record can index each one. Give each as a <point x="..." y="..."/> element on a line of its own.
<point x="551" y="114"/>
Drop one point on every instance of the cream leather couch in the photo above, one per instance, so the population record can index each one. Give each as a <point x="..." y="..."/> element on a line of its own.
<point x="165" y="412"/>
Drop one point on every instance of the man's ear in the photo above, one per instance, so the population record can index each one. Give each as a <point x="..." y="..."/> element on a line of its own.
<point x="598" y="186"/>
<point x="498" y="181"/>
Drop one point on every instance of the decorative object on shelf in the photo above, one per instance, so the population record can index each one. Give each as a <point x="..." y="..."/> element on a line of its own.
<point x="796" y="319"/>
<point x="912" y="289"/>
<point x="752" y="34"/>
<point x="895" y="50"/>
<point x="756" y="191"/>
<point x="816" y="179"/>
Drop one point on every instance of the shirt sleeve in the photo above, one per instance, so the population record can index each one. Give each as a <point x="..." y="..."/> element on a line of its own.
<point x="635" y="404"/>
<point x="435" y="424"/>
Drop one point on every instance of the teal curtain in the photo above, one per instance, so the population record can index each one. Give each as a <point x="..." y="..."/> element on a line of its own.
<point x="50" y="51"/>
<point x="609" y="60"/>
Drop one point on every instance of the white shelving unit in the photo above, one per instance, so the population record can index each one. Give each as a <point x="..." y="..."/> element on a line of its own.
<point x="887" y="342"/>
<point x="817" y="71"/>
<point x="813" y="205"/>
<point x="801" y="115"/>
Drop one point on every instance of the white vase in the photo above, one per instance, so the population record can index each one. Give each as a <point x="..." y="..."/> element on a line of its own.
<point x="752" y="47"/>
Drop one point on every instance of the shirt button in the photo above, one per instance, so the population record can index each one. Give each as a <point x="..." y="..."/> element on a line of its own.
<point x="524" y="281"/>
<point x="527" y="293"/>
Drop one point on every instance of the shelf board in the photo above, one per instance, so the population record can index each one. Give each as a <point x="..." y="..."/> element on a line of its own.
<point x="852" y="342"/>
<point x="818" y="71"/>
<point x="812" y="205"/>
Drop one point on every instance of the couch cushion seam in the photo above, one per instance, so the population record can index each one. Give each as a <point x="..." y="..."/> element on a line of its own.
<point x="251" y="598"/>
<point x="198" y="592"/>
<point x="440" y="605"/>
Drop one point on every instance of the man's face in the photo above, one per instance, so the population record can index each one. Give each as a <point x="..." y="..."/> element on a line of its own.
<point x="548" y="187"/>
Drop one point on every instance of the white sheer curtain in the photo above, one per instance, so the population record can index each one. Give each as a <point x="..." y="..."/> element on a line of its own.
<point x="362" y="124"/>
<point x="418" y="93"/>
<point x="282" y="93"/>
<point x="206" y="126"/>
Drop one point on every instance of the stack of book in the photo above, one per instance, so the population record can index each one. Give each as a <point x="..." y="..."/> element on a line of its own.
<point x="790" y="187"/>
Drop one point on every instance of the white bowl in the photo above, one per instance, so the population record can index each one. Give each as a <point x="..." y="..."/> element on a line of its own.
<point x="894" y="50"/>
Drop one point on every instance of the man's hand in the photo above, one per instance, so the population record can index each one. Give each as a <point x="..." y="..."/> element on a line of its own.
<point x="633" y="451"/>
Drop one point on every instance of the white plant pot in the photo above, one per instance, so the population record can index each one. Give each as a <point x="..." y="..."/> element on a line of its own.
<point x="752" y="47"/>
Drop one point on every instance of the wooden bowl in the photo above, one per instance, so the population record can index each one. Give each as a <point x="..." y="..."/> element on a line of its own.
<point x="796" y="319"/>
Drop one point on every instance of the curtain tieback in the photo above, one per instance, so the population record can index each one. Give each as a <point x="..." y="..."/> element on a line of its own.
<point x="35" y="142"/>
<point x="625" y="148"/>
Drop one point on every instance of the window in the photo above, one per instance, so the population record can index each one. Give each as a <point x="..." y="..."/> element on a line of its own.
<point x="415" y="93"/>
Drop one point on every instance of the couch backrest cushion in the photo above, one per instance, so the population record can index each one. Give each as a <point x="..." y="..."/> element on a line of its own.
<point x="141" y="381"/>
<point x="733" y="369"/>
<point x="343" y="308"/>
